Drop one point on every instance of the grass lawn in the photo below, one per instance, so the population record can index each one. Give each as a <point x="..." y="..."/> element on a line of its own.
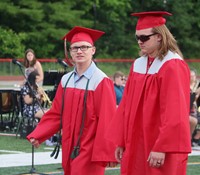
<point x="17" y="144"/>
<point x="12" y="143"/>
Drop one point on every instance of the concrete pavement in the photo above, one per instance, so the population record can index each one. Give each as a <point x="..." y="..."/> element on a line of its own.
<point x="43" y="158"/>
<point x="25" y="159"/>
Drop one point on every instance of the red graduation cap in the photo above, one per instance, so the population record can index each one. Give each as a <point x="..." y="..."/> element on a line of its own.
<point x="80" y="34"/>
<point x="83" y="34"/>
<point x="150" y="19"/>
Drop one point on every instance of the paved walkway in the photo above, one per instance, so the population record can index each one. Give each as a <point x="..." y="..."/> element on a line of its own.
<point x="25" y="159"/>
<point x="43" y="158"/>
<point x="195" y="151"/>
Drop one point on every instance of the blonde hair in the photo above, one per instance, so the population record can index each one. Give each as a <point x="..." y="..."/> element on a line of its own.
<point x="168" y="42"/>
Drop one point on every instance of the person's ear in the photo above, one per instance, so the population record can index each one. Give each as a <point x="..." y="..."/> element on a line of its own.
<point x="159" y="37"/>
<point x="93" y="50"/>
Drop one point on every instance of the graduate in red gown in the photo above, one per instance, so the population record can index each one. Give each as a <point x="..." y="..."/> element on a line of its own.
<point x="151" y="127"/>
<point x="84" y="104"/>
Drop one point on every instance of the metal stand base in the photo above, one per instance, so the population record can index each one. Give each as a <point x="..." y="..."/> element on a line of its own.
<point x="32" y="170"/>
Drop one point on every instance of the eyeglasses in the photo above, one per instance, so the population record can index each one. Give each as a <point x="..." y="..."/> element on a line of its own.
<point x="83" y="48"/>
<point x="144" y="38"/>
<point x="123" y="79"/>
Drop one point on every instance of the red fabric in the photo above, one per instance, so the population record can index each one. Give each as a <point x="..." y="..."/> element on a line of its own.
<point x="95" y="151"/>
<point x="149" y="62"/>
<point x="150" y="19"/>
<point x="153" y="116"/>
<point x="81" y="37"/>
<point x="83" y="34"/>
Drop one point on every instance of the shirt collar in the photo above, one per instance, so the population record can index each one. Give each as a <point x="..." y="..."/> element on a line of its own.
<point x="88" y="73"/>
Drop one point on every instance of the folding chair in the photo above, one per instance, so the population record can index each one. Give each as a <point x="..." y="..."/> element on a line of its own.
<point x="7" y="109"/>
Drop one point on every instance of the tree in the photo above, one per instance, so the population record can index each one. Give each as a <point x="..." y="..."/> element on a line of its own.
<point x="184" y="24"/>
<point x="11" y="44"/>
<point x="43" y="23"/>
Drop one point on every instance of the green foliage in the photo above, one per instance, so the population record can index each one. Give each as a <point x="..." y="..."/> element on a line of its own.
<point x="43" y="23"/>
<point x="183" y="25"/>
<point x="11" y="44"/>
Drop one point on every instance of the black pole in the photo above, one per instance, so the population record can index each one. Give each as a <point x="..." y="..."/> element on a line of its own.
<point x="95" y="14"/>
<point x="32" y="170"/>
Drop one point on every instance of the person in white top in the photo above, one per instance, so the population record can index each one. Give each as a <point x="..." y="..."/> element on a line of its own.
<point x="31" y="64"/>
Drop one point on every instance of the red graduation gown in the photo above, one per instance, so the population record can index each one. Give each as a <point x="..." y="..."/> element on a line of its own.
<point x="153" y="116"/>
<point x="95" y="150"/>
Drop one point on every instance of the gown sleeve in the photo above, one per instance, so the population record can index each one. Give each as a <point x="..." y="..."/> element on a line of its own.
<point x="174" y="80"/>
<point x="117" y="128"/>
<point x="105" y="104"/>
<point x="50" y="122"/>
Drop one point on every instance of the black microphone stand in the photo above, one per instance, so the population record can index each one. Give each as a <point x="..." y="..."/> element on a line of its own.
<point x="60" y="74"/>
<point x="62" y="63"/>
<point x="35" y="100"/>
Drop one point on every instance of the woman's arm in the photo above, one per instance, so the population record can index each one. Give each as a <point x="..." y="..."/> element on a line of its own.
<point x="39" y="68"/>
<point x="197" y="93"/>
<point x="28" y="99"/>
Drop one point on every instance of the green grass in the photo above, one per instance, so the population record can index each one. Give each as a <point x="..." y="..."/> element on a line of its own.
<point x="18" y="144"/>
<point x="6" y="143"/>
<point x="193" y="165"/>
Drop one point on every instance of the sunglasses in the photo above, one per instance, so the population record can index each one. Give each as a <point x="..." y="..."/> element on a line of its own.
<point x="123" y="79"/>
<point x="144" y="38"/>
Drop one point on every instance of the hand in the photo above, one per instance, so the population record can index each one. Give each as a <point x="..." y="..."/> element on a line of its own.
<point x="34" y="142"/>
<point x="156" y="159"/>
<point x="38" y="96"/>
<point x="112" y="164"/>
<point x="119" y="153"/>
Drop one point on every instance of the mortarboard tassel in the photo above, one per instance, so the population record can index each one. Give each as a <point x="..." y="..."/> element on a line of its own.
<point x="66" y="54"/>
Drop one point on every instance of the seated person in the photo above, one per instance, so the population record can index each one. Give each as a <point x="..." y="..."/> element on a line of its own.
<point x="31" y="108"/>
<point x="193" y="113"/>
<point x="118" y="79"/>
<point x="194" y="95"/>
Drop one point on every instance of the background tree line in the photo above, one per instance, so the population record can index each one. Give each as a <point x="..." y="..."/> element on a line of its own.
<point x="41" y="24"/>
